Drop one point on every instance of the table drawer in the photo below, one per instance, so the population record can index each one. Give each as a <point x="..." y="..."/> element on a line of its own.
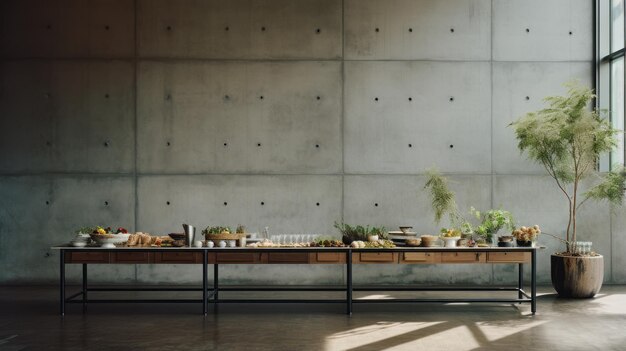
<point x="508" y="257"/>
<point x="178" y="257"/>
<point x="237" y="257"/>
<point x="288" y="257"/>
<point x="418" y="257"/>
<point x="132" y="257"/>
<point x="462" y="257"/>
<point x="87" y="257"/>
<point x="327" y="257"/>
<point x="378" y="257"/>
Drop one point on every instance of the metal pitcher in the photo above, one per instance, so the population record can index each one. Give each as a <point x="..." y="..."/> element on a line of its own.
<point x="190" y="232"/>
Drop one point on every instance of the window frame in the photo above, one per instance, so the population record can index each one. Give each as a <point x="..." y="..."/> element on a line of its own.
<point x="604" y="59"/>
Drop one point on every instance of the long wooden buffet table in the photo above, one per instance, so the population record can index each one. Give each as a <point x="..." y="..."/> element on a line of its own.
<point x="307" y="255"/>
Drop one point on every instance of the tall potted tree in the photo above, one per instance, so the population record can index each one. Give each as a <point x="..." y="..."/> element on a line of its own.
<point x="567" y="138"/>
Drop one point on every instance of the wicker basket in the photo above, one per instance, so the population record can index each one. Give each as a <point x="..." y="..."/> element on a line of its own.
<point x="429" y="240"/>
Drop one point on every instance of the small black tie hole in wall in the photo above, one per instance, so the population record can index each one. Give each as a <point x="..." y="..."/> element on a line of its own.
<point x="226" y="97"/>
<point x="168" y="203"/>
<point x="317" y="146"/>
<point x="261" y="97"/>
<point x="225" y="144"/>
<point x="168" y="97"/>
<point x="527" y="30"/>
<point x="47" y="95"/>
<point x="227" y="28"/>
<point x="451" y="30"/>
<point x="106" y="96"/>
<point x="258" y="144"/>
<point x="262" y="203"/>
<point x="106" y="203"/>
<point x="168" y="143"/>
<point x="317" y="204"/>
<point x="106" y="144"/>
<point x="375" y="99"/>
<point x="107" y="27"/>
<point x="527" y="98"/>
<point x="410" y="99"/>
<point x="47" y="202"/>
<point x="376" y="204"/>
<point x="225" y="203"/>
<point x="377" y="30"/>
<point x="410" y="145"/>
<point x="48" y="26"/>
<point x="262" y="29"/>
<point x="318" y="97"/>
<point x="451" y="146"/>
<point x="48" y="143"/>
<point x="451" y="98"/>
<point x="411" y="30"/>
<point x="318" y="31"/>
<point x="169" y="28"/>
<point x="570" y="32"/>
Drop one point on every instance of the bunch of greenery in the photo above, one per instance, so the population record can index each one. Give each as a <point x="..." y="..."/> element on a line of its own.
<point x="442" y="201"/>
<point x="216" y="230"/>
<point x="85" y="230"/>
<point x="567" y="139"/>
<point x="352" y="233"/>
<point x="492" y="221"/>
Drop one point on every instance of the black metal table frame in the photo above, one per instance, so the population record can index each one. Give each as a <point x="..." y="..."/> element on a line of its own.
<point x="213" y="294"/>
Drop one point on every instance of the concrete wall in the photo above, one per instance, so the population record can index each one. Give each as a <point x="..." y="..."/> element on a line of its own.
<point x="281" y="113"/>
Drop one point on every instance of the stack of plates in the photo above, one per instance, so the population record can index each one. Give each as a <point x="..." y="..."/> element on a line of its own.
<point x="81" y="240"/>
<point x="399" y="238"/>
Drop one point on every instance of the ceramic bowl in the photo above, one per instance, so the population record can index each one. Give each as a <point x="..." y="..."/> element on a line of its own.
<point x="109" y="240"/>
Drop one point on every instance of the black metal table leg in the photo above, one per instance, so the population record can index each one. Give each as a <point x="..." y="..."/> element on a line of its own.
<point x="204" y="283"/>
<point x="215" y="285"/>
<point x="84" y="286"/>
<point x="62" y="281"/>
<point x="349" y="282"/>
<point x="520" y="281"/>
<point x="533" y="281"/>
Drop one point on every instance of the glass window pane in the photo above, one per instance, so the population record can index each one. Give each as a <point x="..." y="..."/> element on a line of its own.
<point x="617" y="106"/>
<point x="617" y="25"/>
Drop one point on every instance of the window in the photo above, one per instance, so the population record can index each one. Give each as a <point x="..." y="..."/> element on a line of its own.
<point x="610" y="79"/>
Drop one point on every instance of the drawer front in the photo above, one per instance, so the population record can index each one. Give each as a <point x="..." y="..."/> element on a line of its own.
<point x="327" y="257"/>
<point x="178" y="257"/>
<point x="462" y="257"/>
<point x="88" y="257"/>
<point x="295" y="257"/>
<point x="236" y="257"/>
<point x="132" y="257"/>
<point x="418" y="257"/>
<point x="385" y="257"/>
<point x="508" y="257"/>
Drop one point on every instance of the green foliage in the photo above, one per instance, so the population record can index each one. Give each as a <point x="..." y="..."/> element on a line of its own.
<point x="360" y="232"/>
<point x="567" y="138"/>
<point x="492" y="221"/>
<point x="611" y="188"/>
<point x="441" y="197"/>
<point x="85" y="230"/>
<point x="216" y="230"/>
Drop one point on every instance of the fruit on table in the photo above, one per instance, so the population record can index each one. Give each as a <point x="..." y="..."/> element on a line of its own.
<point x="527" y="233"/>
<point x="121" y="230"/>
<point x="451" y="233"/>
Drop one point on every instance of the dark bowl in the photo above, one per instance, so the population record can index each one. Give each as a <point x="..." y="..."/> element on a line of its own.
<point x="177" y="236"/>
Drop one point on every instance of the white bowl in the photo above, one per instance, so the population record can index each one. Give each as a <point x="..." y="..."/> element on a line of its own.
<point x="109" y="240"/>
<point x="450" y="241"/>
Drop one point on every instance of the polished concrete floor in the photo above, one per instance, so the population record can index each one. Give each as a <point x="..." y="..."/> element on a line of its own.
<point x="29" y="320"/>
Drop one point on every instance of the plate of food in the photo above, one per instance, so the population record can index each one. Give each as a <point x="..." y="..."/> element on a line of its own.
<point x="107" y="238"/>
